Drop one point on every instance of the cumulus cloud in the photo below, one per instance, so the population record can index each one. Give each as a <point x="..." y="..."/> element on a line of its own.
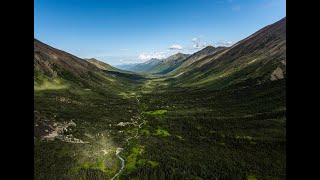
<point x="195" y="40"/>
<point x="200" y="46"/>
<point x="229" y="43"/>
<point x="175" y="47"/>
<point x="147" y="56"/>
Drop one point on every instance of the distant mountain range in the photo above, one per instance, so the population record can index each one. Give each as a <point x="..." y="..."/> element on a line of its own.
<point x="126" y="66"/>
<point x="171" y="63"/>
<point x="257" y="58"/>
<point x="160" y="66"/>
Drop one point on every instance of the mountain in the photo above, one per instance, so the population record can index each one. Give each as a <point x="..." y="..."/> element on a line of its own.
<point x="258" y="58"/>
<point x="75" y="100"/>
<point x="52" y="61"/>
<point x="166" y="65"/>
<point x="126" y="66"/>
<point x="160" y="66"/>
<point x="209" y="50"/>
<point x="145" y="66"/>
<point x="101" y="65"/>
<point x="56" y="68"/>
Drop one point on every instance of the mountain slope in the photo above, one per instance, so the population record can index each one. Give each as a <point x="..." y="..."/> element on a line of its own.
<point x="142" y="67"/>
<point x="209" y="50"/>
<point x="77" y="106"/>
<point x="258" y="58"/>
<point x="52" y="61"/>
<point x="166" y="65"/>
<point x="101" y="65"/>
<point x="54" y="68"/>
<point x="160" y="66"/>
<point x="126" y="66"/>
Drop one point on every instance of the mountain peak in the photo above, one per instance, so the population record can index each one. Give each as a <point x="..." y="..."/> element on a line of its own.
<point x="209" y="47"/>
<point x="179" y="54"/>
<point x="91" y="59"/>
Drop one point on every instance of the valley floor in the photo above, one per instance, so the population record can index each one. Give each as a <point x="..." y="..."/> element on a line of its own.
<point x="164" y="133"/>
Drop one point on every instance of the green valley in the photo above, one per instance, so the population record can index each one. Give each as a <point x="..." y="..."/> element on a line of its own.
<point x="217" y="114"/>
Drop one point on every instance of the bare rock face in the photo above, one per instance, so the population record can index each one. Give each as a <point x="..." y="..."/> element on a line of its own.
<point x="277" y="74"/>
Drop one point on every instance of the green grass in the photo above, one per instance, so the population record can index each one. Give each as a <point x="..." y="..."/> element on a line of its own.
<point x="145" y="131"/>
<point x="162" y="132"/>
<point x="156" y="112"/>
<point x="252" y="177"/>
<point x="142" y="162"/>
<point x="131" y="156"/>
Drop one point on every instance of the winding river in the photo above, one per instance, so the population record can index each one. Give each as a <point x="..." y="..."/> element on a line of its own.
<point x="119" y="150"/>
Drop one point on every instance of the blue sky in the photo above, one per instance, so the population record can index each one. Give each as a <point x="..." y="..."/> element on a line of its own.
<point x="130" y="31"/>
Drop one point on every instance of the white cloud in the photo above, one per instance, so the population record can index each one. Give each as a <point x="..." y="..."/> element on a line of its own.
<point x="200" y="45"/>
<point x="229" y="43"/>
<point x="147" y="56"/>
<point x="175" y="47"/>
<point x="195" y="39"/>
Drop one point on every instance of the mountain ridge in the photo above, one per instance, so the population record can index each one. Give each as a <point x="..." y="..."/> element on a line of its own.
<point x="253" y="59"/>
<point x="154" y="65"/>
<point x="101" y="65"/>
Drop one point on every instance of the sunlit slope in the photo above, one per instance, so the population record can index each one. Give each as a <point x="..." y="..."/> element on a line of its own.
<point x="54" y="68"/>
<point x="77" y="107"/>
<point x="258" y="58"/>
<point x="102" y="65"/>
<point x="188" y="63"/>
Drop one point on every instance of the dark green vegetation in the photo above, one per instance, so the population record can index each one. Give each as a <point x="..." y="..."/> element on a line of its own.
<point x="228" y="134"/>
<point x="92" y="98"/>
<point x="220" y="114"/>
